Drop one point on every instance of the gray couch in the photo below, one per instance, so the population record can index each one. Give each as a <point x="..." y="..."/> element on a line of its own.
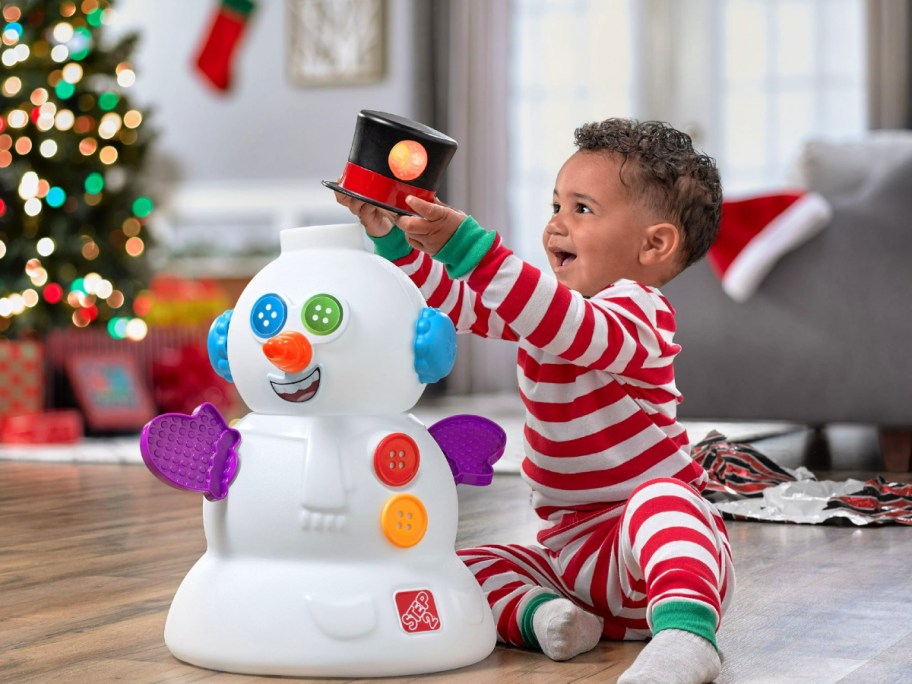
<point x="825" y="339"/>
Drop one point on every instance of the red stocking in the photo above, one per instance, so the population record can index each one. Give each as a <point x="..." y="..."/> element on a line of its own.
<point x="228" y="24"/>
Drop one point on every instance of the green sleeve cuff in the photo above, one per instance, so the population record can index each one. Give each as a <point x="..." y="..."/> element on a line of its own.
<point x="393" y="245"/>
<point x="244" y="7"/>
<point x="466" y="248"/>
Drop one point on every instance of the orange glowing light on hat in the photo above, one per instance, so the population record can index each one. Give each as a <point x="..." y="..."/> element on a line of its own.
<point x="408" y="159"/>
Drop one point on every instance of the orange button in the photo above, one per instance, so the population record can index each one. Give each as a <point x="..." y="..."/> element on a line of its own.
<point x="404" y="520"/>
<point x="396" y="459"/>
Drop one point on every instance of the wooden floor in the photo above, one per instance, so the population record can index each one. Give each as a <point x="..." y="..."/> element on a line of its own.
<point x="91" y="555"/>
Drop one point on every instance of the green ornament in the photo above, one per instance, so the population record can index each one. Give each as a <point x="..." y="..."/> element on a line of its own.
<point x="108" y="100"/>
<point x="94" y="183"/>
<point x="142" y="207"/>
<point x="64" y="90"/>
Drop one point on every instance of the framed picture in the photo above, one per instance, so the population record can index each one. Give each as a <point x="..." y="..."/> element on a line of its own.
<point x="337" y="42"/>
<point x="110" y="391"/>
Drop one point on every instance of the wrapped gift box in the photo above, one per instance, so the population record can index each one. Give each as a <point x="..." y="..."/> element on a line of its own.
<point x="22" y="376"/>
<point x="47" y="427"/>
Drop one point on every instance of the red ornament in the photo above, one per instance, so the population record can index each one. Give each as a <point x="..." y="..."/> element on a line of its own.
<point x="53" y="293"/>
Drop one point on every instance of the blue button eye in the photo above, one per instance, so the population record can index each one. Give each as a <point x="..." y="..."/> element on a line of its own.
<point x="268" y="315"/>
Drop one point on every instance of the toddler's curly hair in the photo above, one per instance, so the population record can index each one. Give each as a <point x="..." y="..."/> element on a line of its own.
<point x="662" y="171"/>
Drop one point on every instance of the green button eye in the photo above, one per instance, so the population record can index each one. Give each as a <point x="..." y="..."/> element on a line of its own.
<point x="322" y="314"/>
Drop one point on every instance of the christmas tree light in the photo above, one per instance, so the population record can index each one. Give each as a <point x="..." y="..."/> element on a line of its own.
<point x="73" y="219"/>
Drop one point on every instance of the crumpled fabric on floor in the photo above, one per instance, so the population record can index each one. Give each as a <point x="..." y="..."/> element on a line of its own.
<point x="745" y="484"/>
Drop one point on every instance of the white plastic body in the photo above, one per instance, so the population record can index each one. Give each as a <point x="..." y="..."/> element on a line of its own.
<point x="286" y="588"/>
<point x="299" y="577"/>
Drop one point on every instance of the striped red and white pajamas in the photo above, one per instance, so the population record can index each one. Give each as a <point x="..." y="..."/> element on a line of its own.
<point x="624" y="531"/>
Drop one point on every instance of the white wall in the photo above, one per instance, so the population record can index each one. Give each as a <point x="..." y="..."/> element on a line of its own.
<point x="265" y="128"/>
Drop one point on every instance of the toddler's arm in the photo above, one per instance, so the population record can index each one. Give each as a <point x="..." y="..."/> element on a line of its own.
<point x="626" y="329"/>
<point x="449" y="295"/>
<point x="436" y="224"/>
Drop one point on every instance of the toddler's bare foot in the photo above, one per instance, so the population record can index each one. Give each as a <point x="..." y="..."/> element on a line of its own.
<point x="565" y="630"/>
<point x="674" y="657"/>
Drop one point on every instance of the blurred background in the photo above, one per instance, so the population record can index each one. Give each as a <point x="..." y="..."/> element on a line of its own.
<point x="246" y="105"/>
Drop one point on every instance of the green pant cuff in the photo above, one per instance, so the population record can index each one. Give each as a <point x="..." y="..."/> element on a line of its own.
<point x="690" y="616"/>
<point x="525" y="620"/>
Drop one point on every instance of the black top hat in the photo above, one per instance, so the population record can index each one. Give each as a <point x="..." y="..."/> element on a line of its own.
<point x="391" y="158"/>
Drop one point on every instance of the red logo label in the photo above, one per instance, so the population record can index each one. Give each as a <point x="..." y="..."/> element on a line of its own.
<point x="417" y="611"/>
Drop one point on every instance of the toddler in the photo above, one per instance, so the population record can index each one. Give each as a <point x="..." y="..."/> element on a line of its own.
<point x="627" y="549"/>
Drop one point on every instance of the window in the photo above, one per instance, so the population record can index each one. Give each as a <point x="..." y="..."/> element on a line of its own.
<point x="750" y="80"/>
<point x="789" y="70"/>
<point x="571" y="62"/>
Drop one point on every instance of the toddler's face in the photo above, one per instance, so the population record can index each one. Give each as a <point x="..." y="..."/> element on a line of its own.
<point x="595" y="233"/>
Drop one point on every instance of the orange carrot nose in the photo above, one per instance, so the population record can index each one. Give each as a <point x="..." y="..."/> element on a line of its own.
<point x="289" y="351"/>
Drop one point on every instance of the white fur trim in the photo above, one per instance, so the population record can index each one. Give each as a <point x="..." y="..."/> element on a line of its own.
<point x="793" y="227"/>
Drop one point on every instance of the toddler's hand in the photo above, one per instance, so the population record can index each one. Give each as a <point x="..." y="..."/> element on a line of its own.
<point x="436" y="224"/>
<point x="376" y="221"/>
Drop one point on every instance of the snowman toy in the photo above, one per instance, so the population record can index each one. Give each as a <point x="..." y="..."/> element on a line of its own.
<point x="330" y="512"/>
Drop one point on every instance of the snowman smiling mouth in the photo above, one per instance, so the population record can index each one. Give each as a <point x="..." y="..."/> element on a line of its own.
<point x="300" y="390"/>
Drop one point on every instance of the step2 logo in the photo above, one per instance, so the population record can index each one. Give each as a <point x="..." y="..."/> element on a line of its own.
<point x="417" y="611"/>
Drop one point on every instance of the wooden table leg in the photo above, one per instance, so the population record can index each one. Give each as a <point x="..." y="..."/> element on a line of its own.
<point x="896" y="448"/>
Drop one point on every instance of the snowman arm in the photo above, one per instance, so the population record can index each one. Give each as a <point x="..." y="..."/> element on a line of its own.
<point x="217" y="345"/>
<point x="471" y="445"/>
<point x="196" y="453"/>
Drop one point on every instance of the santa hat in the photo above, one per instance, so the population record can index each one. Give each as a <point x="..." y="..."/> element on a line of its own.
<point x="756" y="232"/>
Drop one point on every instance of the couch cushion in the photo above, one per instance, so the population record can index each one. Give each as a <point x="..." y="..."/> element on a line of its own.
<point x="826" y="336"/>
<point x="834" y="167"/>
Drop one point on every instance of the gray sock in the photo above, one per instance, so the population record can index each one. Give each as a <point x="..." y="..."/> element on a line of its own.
<point x="674" y="657"/>
<point x="565" y="630"/>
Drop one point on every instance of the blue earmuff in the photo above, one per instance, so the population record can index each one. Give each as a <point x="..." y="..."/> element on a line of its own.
<point x="217" y="345"/>
<point x="435" y="345"/>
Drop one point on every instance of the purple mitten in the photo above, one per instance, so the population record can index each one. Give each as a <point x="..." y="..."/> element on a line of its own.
<point x="472" y="445"/>
<point x="195" y="453"/>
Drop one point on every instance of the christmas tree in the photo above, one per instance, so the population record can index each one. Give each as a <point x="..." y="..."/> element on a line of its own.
<point x="73" y="238"/>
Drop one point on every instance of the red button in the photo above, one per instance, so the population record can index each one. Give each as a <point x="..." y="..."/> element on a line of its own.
<point x="396" y="459"/>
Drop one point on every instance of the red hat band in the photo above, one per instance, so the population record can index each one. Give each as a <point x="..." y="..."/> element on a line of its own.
<point x="383" y="189"/>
